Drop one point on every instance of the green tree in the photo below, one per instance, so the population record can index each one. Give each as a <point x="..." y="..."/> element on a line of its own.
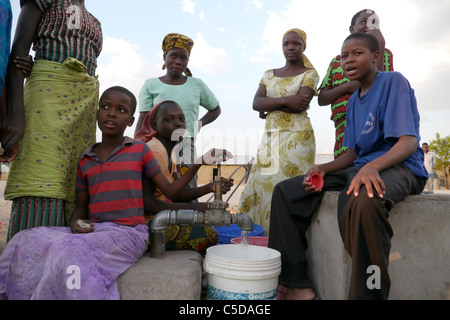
<point x="441" y="147"/>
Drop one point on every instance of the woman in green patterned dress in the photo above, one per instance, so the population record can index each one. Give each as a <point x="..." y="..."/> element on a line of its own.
<point x="288" y="144"/>
<point x="52" y="118"/>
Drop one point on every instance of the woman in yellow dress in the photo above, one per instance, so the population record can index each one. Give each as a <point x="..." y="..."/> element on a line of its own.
<point x="288" y="144"/>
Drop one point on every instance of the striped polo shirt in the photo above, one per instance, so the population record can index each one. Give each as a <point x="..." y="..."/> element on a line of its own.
<point x="115" y="186"/>
<point x="67" y="30"/>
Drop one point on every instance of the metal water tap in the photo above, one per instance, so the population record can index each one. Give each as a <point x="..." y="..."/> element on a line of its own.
<point x="216" y="215"/>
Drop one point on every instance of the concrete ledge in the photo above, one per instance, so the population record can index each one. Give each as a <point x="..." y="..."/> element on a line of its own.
<point x="420" y="256"/>
<point x="176" y="277"/>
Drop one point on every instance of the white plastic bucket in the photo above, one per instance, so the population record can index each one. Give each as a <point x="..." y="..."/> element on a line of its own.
<point x="237" y="272"/>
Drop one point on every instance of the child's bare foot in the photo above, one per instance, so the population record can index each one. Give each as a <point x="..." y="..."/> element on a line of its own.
<point x="300" y="294"/>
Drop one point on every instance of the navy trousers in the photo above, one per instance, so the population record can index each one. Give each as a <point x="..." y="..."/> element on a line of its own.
<point x="363" y="224"/>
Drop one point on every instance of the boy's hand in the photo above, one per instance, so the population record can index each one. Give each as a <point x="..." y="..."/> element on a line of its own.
<point x="307" y="183"/>
<point x="81" y="226"/>
<point x="227" y="184"/>
<point x="370" y="177"/>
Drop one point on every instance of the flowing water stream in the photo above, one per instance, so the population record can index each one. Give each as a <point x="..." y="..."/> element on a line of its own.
<point x="244" y="241"/>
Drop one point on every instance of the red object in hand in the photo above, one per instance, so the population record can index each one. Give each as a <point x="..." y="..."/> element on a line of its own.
<point x="317" y="180"/>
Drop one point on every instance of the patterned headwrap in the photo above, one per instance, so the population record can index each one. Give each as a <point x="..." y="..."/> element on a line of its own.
<point x="302" y="34"/>
<point x="176" y="40"/>
<point x="147" y="131"/>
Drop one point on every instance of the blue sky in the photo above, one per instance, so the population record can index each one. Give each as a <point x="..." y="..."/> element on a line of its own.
<point x="237" y="40"/>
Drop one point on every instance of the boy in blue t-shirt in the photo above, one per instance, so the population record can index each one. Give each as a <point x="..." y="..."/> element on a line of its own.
<point x="383" y="165"/>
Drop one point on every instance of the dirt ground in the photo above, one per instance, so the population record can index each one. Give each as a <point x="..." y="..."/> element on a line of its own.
<point x="5" y="210"/>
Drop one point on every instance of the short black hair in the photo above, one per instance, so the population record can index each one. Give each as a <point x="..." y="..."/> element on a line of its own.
<point x="370" y="41"/>
<point x="125" y="91"/>
<point x="164" y="104"/>
<point x="356" y="16"/>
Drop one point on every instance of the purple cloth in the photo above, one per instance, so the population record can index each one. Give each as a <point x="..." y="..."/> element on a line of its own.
<point x="46" y="263"/>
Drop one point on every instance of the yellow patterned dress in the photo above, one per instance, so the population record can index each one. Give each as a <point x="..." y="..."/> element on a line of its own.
<point x="287" y="148"/>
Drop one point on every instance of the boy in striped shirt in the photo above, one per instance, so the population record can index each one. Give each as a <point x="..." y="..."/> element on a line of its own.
<point x="109" y="174"/>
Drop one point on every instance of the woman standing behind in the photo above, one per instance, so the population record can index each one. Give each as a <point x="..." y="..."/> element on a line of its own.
<point x="179" y="85"/>
<point x="288" y="144"/>
<point x="52" y="118"/>
<point x="336" y="89"/>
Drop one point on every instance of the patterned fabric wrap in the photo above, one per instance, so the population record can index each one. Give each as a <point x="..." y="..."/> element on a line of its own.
<point x="287" y="148"/>
<point x="5" y="38"/>
<point x="60" y="122"/>
<point x="33" y="212"/>
<point x="334" y="78"/>
<point x="176" y="40"/>
<point x="197" y="238"/>
<point x="55" y="264"/>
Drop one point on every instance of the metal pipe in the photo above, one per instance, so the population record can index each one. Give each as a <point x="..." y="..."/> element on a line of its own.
<point x="212" y="217"/>
<point x="215" y="216"/>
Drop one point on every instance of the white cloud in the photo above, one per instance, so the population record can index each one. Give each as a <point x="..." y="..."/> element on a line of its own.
<point x="257" y="4"/>
<point x="207" y="58"/>
<point x="188" y="6"/>
<point x="122" y="63"/>
<point x="259" y="59"/>
<point x="202" y="15"/>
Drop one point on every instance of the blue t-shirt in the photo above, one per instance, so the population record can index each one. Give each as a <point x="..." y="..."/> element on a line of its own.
<point x="385" y="113"/>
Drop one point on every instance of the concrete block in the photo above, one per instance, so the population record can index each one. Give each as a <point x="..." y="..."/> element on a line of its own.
<point x="178" y="276"/>
<point x="420" y="257"/>
<point x="328" y="262"/>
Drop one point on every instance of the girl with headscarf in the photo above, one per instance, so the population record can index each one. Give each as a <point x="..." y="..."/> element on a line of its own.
<point x="288" y="147"/>
<point x="179" y="85"/>
<point x="162" y="130"/>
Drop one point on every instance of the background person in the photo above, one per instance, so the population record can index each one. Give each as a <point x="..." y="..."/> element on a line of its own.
<point x="288" y="144"/>
<point x="161" y="130"/>
<point x="179" y="85"/>
<point x="430" y="162"/>
<point x="336" y="88"/>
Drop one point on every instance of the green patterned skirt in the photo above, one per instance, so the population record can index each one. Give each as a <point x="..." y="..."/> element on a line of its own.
<point x="60" y="101"/>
